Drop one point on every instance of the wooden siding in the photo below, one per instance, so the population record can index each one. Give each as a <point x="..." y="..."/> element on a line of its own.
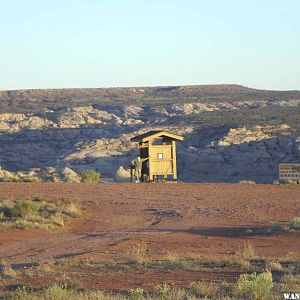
<point x="163" y="166"/>
<point x="289" y="171"/>
<point x="158" y="149"/>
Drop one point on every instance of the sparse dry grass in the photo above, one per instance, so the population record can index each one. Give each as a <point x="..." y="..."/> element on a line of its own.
<point x="273" y="265"/>
<point x="16" y="178"/>
<point x="47" y="268"/>
<point x="59" y="292"/>
<point x="37" y="213"/>
<point x="139" y="255"/>
<point x="72" y="210"/>
<point x="203" y="288"/>
<point x="82" y="263"/>
<point x="248" y="286"/>
<point x="238" y="261"/>
<point x="6" y="271"/>
<point x="255" y="285"/>
<point x="248" y="251"/>
<point x="242" y="258"/>
<point x="172" y="256"/>
<point x="291" y="283"/>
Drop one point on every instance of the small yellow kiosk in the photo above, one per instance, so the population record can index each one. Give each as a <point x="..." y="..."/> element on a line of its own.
<point x="160" y="149"/>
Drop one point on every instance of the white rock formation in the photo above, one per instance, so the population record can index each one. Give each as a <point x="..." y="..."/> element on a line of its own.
<point x="122" y="174"/>
<point x="70" y="176"/>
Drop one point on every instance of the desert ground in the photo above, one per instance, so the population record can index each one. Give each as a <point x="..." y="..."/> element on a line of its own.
<point x="169" y="222"/>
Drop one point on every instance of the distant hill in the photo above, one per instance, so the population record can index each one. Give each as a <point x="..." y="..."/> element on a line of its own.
<point x="231" y="132"/>
<point x="36" y="100"/>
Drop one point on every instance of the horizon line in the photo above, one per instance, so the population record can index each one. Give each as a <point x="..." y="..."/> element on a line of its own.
<point x="150" y="86"/>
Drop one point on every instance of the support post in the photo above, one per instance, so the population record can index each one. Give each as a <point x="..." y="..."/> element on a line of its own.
<point x="174" y="161"/>
<point x="131" y="173"/>
<point x="150" y="159"/>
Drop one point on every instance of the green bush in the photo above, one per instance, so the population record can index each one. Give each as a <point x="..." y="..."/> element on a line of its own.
<point x="290" y="182"/>
<point x="6" y="207"/>
<point x="255" y="287"/>
<point x="295" y="223"/>
<point x="59" y="292"/>
<point x="19" y="209"/>
<point x="90" y="176"/>
<point x="162" y="291"/>
<point x="24" y="208"/>
<point x="38" y="213"/>
<point x="136" y="294"/>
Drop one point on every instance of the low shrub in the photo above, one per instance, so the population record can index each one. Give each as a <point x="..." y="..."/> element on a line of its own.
<point x="248" y="251"/>
<point x="295" y="223"/>
<point x="290" y="182"/>
<point x="139" y="255"/>
<point x="239" y="261"/>
<point x="256" y="287"/>
<point x="23" y="208"/>
<point x="226" y="289"/>
<point x="291" y="283"/>
<point x="57" y="220"/>
<point x="16" y="178"/>
<point x="24" y="293"/>
<point x="37" y="213"/>
<point x="19" y="208"/>
<point x="90" y="176"/>
<point x="7" y="272"/>
<point x="136" y="294"/>
<point x="31" y="179"/>
<point x="68" y="283"/>
<point x="203" y="289"/>
<point x="47" y="268"/>
<point x="162" y="291"/>
<point x="72" y="209"/>
<point x="58" y="292"/>
<point x="273" y="265"/>
<point x="179" y="294"/>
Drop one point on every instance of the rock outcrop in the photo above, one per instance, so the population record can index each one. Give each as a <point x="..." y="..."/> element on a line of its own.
<point x="37" y="175"/>
<point x="58" y="143"/>
<point x="130" y="116"/>
<point x="122" y="174"/>
<point x="70" y="176"/>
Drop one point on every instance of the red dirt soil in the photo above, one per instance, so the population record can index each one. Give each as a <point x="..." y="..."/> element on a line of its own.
<point x="208" y="220"/>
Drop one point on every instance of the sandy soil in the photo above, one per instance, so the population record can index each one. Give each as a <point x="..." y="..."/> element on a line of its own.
<point x="208" y="220"/>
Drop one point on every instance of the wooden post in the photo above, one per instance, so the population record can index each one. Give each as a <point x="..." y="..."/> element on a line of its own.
<point x="131" y="173"/>
<point x="174" y="160"/>
<point x="150" y="160"/>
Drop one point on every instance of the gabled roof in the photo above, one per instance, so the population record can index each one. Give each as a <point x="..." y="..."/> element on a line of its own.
<point x="153" y="134"/>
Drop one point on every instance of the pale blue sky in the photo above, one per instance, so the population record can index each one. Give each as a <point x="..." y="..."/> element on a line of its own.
<point x="104" y="43"/>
